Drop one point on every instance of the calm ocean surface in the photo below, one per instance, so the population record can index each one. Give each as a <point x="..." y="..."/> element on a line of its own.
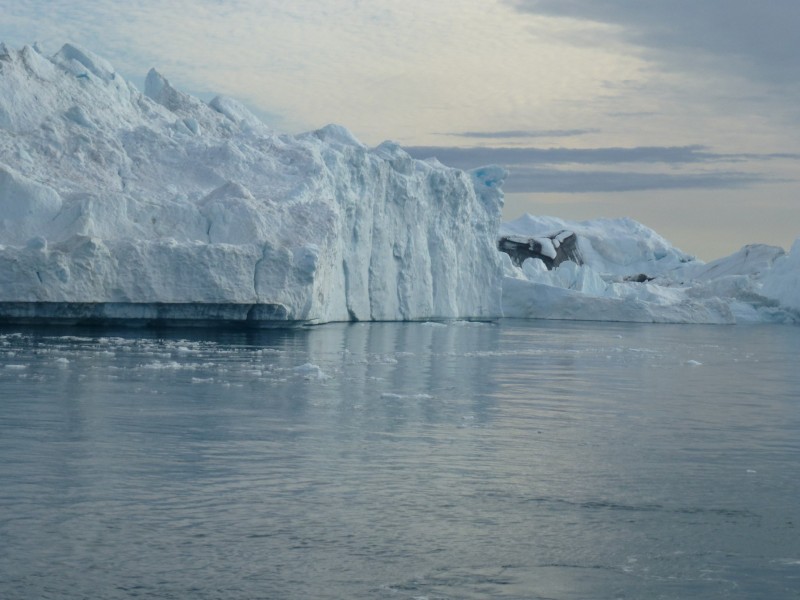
<point x="532" y="460"/>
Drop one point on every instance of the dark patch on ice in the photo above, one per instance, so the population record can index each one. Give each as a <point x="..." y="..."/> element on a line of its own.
<point x="520" y="249"/>
<point x="640" y="278"/>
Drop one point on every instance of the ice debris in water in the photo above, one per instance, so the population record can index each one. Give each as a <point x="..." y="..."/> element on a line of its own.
<point x="311" y="371"/>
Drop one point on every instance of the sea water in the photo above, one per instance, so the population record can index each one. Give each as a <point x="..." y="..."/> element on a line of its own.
<point x="401" y="460"/>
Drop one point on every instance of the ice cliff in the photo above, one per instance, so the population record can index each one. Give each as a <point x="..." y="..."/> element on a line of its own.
<point x="108" y="195"/>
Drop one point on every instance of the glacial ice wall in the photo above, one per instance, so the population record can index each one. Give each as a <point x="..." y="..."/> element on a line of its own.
<point x="111" y="195"/>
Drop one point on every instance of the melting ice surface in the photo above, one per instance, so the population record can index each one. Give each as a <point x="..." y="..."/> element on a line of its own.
<point x="526" y="459"/>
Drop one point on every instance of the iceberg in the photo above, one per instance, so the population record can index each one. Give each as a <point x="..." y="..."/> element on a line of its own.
<point x="117" y="204"/>
<point x="620" y="270"/>
<point x="157" y="207"/>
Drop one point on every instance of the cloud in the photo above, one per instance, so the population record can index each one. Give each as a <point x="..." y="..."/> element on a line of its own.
<point x="537" y="180"/>
<point x="383" y="68"/>
<point x="522" y="133"/>
<point x="468" y="158"/>
<point x="538" y="170"/>
<point x="756" y="39"/>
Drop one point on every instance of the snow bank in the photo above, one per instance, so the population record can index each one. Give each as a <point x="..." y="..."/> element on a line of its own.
<point x="108" y="195"/>
<point x="628" y="272"/>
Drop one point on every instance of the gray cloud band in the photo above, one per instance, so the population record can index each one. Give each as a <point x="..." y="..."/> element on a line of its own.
<point x="521" y="133"/>
<point x="530" y="174"/>
<point x="468" y="158"/>
<point x="533" y="180"/>
<point x="759" y="39"/>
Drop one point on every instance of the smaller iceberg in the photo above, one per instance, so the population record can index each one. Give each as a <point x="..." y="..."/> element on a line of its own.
<point x="620" y="270"/>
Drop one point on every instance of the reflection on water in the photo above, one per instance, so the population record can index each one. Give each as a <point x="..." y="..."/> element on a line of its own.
<point x="459" y="460"/>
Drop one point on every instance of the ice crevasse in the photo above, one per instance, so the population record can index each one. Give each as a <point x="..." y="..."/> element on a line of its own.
<point x="110" y="195"/>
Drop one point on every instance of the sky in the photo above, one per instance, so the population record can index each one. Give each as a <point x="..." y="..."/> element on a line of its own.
<point x="678" y="113"/>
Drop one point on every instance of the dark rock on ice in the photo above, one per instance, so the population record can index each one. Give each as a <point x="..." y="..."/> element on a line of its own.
<point x="552" y="250"/>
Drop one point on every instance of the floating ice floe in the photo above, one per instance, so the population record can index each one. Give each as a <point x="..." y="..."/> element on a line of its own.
<point x="312" y="372"/>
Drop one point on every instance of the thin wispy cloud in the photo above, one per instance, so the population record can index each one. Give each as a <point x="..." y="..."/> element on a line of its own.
<point x="540" y="170"/>
<point x="533" y="180"/>
<point x="468" y="158"/>
<point x="522" y="133"/>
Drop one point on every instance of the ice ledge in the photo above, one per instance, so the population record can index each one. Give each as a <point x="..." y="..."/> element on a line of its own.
<point x="153" y="314"/>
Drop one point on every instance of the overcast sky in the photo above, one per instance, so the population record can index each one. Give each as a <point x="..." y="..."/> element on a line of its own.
<point x="682" y="114"/>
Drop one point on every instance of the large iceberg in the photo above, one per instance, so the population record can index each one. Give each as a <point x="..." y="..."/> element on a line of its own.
<point x="158" y="207"/>
<point x="122" y="204"/>
<point x="620" y="270"/>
